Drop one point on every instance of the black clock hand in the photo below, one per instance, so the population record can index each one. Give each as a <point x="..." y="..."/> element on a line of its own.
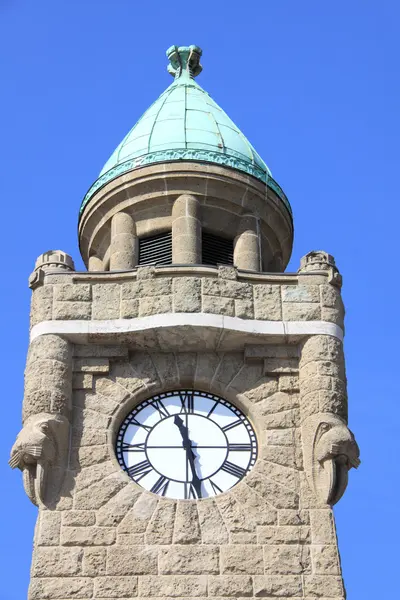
<point x="190" y="455"/>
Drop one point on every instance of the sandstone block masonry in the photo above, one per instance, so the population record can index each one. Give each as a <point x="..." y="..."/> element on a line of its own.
<point x="99" y="535"/>
<point x="146" y="291"/>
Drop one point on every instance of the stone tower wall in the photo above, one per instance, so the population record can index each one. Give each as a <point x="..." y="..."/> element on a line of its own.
<point x="101" y="343"/>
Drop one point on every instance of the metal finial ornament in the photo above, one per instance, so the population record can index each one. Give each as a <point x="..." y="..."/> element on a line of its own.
<point x="184" y="59"/>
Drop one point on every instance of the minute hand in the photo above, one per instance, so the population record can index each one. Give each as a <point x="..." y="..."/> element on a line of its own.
<point x="190" y="455"/>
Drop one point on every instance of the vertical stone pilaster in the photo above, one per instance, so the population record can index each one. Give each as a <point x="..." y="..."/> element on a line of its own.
<point x="41" y="448"/>
<point x="186" y="230"/>
<point x="48" y="377"/>
<point x="124" y="243"/>
<point x="329" y="447"/>
<point x="247" y="251"/>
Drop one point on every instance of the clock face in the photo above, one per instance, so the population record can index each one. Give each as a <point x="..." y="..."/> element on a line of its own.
<point x="186" y="444"/>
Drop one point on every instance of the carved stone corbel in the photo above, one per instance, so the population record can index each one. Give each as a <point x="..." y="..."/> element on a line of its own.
<point x="330" y="451"/>
<point x="41" y="452"/>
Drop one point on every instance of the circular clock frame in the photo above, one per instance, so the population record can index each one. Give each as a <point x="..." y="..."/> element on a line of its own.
<point x="186" y="444"/>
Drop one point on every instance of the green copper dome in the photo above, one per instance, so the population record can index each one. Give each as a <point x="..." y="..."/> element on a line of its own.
<point x="184" y="123"/>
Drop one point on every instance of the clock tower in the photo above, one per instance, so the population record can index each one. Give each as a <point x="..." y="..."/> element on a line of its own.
<point x="185" y="412"/>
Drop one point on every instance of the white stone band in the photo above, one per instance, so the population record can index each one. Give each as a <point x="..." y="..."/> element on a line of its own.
<point x="78" y="331"/>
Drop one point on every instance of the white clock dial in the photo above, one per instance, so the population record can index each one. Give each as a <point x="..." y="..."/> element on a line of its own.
<point x="186" y="444"/>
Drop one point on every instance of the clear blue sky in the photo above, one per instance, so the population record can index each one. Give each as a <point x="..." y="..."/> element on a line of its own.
<point x="315" y="86"/>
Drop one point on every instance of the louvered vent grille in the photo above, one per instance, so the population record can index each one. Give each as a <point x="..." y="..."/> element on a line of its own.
<point x="156" y="249"/>
<point x="216" y="250"/>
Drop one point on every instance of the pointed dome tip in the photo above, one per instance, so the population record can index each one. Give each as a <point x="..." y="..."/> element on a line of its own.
<point x="184" y="60"/>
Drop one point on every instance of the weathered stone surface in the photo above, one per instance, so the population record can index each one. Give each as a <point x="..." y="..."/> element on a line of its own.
<point x="326" y="586"/>
<point x="165" y="365"/>
<point x="82" y="381"/>
<point x="161" y="527"/>
<point x="115" y="510"/>
<point x="219" y="306"/>
<point x="233" y="513"/>
<point x="129" y="309"/>
<point x="173" y="586"/>
<point x="281" y="586"/>
<point x="187" y="527"/>
<point x="72" y="310"/>
<point x="279" y="437"/>
<point x="115" y="587"/>
<point x="60" y="588"/>
<point x="206" y="367"/>
<point x="130" y="539"/>
<point x="267" y="302"/>
<point x="57" y="562"/>
<point x="87" y="536"/>
<point x="230" y="585"/>
<point x="231" y="363"/>
<point x="153" y="305"/>
<point x="278" y="496"/>
<point x="286" y="558"/>
<point x="186" y="365"/>
<point x="92" y="365"/>
<point x="257" y="508"/>
<point x="42" y="305"/>
<point x="78" y="518"/>
<point x="137" y="519"/>
<point x="294" y="517"/>
<point x="106" y="301"/>
<point x="227" y="288"/>
<point x="243" y="537"/>
<point x="301" y="311"/>
<point x="94" y="561"/>
<point x="240" y="558"/>
<point x="280" y="455"/>
<point x="72" y="292"/>
<point x="48" y="528"/>
<point x="135" y="560"/>
<point x="96" y="495"/>
<point x="88" y="437"/>
<point x="325" y="560"/>
<point x="322" y="526"/>
<point x="187" y="294"/>
<point x="189" y="560"/>
<point x="300" y="293"/>
<point x="283" y="535"/>
<point x="89" y="455"/>
<point x="213" y="529"/>
<point x="244" y="309"/>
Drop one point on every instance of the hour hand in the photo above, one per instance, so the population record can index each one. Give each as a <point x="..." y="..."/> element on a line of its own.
<point x="183" y="430"/>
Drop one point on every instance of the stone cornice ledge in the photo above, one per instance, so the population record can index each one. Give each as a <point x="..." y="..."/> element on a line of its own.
<point x="223" y="330"/>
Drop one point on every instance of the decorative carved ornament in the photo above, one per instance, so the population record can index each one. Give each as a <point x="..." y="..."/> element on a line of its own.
<point x="40" y="445"/>
<point x="330" y="451"/>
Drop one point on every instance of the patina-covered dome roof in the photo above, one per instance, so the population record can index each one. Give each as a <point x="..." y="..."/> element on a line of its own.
<point x="184" y="123"/>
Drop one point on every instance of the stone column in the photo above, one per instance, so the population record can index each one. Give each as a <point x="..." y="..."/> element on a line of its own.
<point x="247" y="251"/>
<point x="124" y="243"/>
<point x="95" y="264"/>
<point x="186" y="230"/>
<point x="41" y="448"/>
